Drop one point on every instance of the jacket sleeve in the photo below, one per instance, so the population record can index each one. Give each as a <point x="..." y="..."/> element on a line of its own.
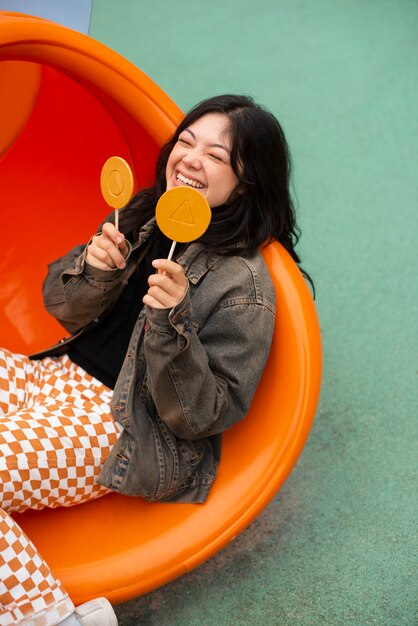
<point x="203" y="382"/>
<point x="76" y="293"/>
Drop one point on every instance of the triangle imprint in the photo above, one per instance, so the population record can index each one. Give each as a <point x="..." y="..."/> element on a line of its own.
<point x="183" y="214"/>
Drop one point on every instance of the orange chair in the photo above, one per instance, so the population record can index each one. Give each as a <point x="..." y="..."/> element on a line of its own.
<point x="69" y="103"/>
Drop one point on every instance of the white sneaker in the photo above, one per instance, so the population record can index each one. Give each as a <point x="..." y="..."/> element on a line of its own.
<point x="98" y="612"/>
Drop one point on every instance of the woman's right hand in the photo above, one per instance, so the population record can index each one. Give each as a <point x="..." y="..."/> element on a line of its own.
<point x="108" y="250"/>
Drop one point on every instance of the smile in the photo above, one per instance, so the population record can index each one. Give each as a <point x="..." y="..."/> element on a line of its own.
<point x="188" y="181"/>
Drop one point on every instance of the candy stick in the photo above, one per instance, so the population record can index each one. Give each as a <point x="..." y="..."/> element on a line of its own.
<point x="170" y="254"/>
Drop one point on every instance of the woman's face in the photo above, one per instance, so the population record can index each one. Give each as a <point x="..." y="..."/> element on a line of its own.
<point x="201" y="159"/>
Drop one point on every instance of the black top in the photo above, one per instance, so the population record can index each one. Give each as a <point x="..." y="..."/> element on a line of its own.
<point x="101" y="350"/>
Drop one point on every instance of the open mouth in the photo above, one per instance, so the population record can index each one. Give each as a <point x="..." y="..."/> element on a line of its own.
<point x="188" y="181"/>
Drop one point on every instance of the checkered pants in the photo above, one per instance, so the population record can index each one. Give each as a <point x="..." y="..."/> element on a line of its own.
<point x="56" y="431"/>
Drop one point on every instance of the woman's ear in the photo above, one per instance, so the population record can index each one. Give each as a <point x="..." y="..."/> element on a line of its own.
<point x="239" y="190"/>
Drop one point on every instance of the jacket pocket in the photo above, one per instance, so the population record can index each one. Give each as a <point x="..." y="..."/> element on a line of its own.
<point x="190" y="452"/>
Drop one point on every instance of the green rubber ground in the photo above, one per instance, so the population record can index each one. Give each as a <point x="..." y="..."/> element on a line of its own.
<point x="336" y="546"/>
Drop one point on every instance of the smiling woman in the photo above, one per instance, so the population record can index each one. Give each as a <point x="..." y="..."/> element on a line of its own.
<point x="158" y="365"/>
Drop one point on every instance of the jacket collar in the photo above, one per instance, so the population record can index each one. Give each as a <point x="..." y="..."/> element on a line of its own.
<point x="145" y="232"/>
<point x="197" y="261"/>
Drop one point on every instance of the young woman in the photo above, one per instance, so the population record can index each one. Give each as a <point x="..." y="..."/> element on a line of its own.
<point x="163" y="355"/>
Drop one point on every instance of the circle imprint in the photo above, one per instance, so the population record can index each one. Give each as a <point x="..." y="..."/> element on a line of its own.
<point x="117" y="182"/>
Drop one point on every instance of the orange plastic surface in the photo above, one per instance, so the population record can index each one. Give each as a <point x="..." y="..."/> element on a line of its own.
<point x="94" y="103"/>
<point x="19" y="85"/>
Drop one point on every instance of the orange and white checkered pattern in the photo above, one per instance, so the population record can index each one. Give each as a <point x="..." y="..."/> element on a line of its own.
<point x="29" y="594"/>
<point x="56" y="431"/>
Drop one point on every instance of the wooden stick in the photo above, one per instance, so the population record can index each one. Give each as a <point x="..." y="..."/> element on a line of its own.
<point x="117" y="219"/>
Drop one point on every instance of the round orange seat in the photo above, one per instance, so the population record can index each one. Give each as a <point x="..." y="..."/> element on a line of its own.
<point x="79" y="104"/>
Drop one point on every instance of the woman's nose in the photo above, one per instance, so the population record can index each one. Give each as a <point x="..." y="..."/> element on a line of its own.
<point x="192" y="159"/>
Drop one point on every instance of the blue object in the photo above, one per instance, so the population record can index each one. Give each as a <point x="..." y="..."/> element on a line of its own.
<point x="75" y="14"/>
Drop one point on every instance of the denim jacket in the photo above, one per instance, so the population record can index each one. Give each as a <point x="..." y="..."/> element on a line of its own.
<point x="189" y="373"/>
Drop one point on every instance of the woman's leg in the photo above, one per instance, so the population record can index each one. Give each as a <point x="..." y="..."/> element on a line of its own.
<point x="55" y="433"/>
<point x="27" y="587"/>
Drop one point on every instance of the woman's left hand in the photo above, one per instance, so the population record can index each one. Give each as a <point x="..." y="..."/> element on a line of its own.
<point x="168" y="287"/>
